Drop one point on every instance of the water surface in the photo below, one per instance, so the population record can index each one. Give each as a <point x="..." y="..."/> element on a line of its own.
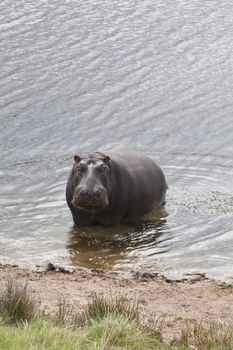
<point x="97" y="75"/>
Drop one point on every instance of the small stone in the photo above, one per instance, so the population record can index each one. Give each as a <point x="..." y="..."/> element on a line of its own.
<point x="97" y="271"/>
<point x="50" y="267"/>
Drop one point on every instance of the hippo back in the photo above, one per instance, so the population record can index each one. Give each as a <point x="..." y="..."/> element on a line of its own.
<point x="138" y="185"/>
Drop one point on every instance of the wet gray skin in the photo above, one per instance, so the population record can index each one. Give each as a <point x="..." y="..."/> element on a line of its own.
<point x="114" y="188"/>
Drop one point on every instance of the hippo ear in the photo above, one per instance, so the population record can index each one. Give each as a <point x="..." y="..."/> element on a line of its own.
<point x="77" y="158"/>
<point x="106" y="159"/>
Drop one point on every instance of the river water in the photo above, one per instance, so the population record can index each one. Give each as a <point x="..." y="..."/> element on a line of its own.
<point x="155" y="76"/>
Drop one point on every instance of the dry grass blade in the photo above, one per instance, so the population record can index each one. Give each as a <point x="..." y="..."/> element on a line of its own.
<point x="216" y="335"/>
<point x="65" y="314"/>
<point x="17" y="303"/>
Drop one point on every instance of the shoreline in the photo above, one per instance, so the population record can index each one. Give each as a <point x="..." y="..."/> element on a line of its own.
<point x="172" y="302"/>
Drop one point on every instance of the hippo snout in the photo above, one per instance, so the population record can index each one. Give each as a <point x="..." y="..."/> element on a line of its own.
<point x="86" y="198"/>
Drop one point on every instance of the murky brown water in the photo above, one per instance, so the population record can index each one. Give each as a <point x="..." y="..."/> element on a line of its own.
<point x="97" y="75"/>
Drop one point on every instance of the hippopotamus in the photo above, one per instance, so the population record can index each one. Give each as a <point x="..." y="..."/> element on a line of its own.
<point x="114" y="187"/>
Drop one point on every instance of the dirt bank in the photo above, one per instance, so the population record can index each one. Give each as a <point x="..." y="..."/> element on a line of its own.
<point x="193" y="297"/>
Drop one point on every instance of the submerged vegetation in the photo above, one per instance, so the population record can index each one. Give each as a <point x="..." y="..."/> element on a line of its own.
<point x="105" y="324"/>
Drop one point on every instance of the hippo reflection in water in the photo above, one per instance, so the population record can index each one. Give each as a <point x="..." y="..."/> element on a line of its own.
<point x="106" y="247"/>
<point x="111" y="188"/>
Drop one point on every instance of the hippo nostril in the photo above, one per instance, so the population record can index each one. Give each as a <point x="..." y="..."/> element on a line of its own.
<point x="99" y="191"/>
<point x="85" y="195"/>
<point x="82" y="191"/>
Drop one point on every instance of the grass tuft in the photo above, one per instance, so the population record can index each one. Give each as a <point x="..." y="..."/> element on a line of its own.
<point x="100" y="307"/>
<point x="225" y="285"/>
<point x="66" y="314"/>
<point x="118" y="332"/>
<point x="215" y="336"/>
<point x="114" y="323"/>
<point x="17" y="303"/>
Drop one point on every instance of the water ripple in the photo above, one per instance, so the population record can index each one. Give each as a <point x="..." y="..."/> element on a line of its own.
<point x="156" y="76"/>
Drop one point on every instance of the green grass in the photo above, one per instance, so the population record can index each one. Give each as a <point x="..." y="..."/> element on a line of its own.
<point x="108" y="333"/>
<point x="105" y="324"/>
<point x="40" y="334"/>
<point x="225" y="285"/>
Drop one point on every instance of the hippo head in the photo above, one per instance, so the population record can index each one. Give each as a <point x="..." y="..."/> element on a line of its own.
<point x="91" y="174"/>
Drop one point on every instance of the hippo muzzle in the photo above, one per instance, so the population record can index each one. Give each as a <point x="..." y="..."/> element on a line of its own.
<point x="93" y="199"/>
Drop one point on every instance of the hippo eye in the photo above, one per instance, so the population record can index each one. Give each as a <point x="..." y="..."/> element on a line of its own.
<point x="102" y="168"/>
<point x="80" y="168"/>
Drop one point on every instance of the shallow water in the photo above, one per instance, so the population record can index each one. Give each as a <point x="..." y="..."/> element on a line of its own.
<point x="97" y="75"/>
